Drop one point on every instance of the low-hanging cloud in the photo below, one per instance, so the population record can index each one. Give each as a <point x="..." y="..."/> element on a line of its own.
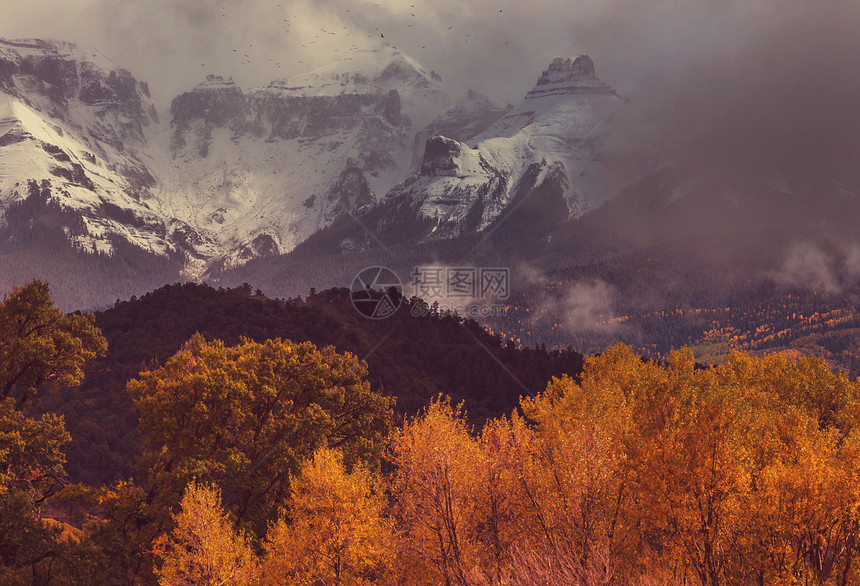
<point x="829" y="267"/>
<point x="808" y="265"/>
<point x="588" y="307"/>
<point x="585" y="307"/>
<point x="496" y="47"/>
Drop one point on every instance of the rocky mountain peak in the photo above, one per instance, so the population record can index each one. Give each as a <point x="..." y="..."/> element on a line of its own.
<point x="570" y="76"/>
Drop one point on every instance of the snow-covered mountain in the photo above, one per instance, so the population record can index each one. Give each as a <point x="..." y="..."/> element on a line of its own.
<point x="553" y="140"/>
<point x="226" y="174"/>
<point x="257" y="172"/>
<point x="76" y="123"/>
<point x="550" y="158"/>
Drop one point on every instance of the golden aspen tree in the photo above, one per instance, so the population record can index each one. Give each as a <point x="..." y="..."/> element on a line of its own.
<point x="336" y="533"/>
<point x="572" y="482"/>
<point x="801" y="512"/>
<point x="204" y="549"/>
<point x="437" y="483"/>
<point x="691" y="474"/>
<point x="848" y="491"/>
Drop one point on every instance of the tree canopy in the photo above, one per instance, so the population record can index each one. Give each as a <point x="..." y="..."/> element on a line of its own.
<point x="38" y="344"/>
<point x="246" y="416"/>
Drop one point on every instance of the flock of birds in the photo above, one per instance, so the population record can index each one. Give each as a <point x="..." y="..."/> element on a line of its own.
<point x="319" y="39"/>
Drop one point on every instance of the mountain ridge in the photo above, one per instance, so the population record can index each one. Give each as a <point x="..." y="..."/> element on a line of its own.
<point x="229" y="174"/>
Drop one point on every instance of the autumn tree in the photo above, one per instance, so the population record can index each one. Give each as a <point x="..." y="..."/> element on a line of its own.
<point x="437" y="483"/>
<point x="742" y="473"/>
<point x="691" y="469"/>
<point x="31" y="471"/>
<point x="335" y="532"/>
<point x="204" y="548"/>
<point x="39" y="344"/>
<point x="801" y="518"/>
<point x="245" y="417"/>
<point x="570" y="488"/>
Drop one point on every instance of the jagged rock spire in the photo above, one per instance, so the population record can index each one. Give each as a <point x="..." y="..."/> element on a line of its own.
<point x="569" y="76"/>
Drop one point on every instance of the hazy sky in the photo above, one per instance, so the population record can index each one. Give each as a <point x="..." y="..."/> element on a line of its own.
<point x="498" y="47"/>
<point x="742" y="78"/>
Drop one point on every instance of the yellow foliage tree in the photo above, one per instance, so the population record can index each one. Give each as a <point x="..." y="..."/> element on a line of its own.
<point x="438" y="486"/>
<point x="801" y="516"/>
<point x="571" y="486"/>
<point x="245" y="417"/>
<point x="39" y="345"/>
<point x="337" y="533"/>
<point x="204" y="548"/>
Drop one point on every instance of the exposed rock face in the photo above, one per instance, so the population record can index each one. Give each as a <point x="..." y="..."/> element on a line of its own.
<point x="217" y="101"/>
<point x="441" y="156"/>
<point x="463" y="122"/>
<point x="569" y="76"/>
<point x="351" y="193"/>
<point x="543" y="157"/>
<point x="74" y="124"/>
<point x="233" y="174"/>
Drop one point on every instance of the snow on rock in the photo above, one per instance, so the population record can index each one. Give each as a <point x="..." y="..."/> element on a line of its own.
<point x="569" y="76"/>
<point x="230" y="174"/>
<point x="283" y="161"/>
<point x="557" y="134"/>
<point x="74" y="122"/>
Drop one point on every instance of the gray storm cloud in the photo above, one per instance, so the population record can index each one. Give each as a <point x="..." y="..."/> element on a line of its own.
<point x="500" y="45"/>
<point x="497" y="47"/>
<point x="742" y="84"/>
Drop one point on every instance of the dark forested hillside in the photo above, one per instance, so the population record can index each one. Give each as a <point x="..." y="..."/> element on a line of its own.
<point x="410" y="358"/>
